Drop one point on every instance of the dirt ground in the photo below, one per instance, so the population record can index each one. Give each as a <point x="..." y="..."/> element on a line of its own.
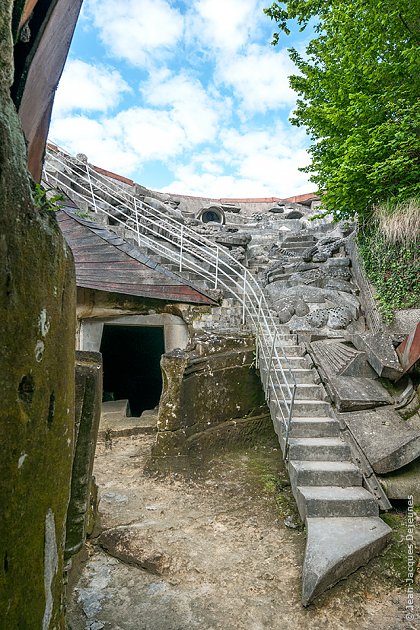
<point x="217" y="553"/>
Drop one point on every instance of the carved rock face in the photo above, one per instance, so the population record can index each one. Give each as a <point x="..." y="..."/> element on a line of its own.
<point x="339" y="317"/>
<point x="318" y="318"/>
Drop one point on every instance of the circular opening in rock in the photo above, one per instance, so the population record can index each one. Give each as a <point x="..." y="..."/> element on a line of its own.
<point x="212" y="215"/>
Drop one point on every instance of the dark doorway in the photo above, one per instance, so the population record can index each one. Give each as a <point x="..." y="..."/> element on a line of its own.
<point x="131" y="363"/>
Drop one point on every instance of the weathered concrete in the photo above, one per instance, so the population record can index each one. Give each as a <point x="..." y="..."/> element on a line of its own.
<point x="356" y="541"/>
<point x="405" y="320"/>
<point x="348" y="378"/>
<point x="387" y="441"/>
<point x="304" y="473"/>
<point x="403" y="482"/>
<point x="380" y="354"/>
<point x="119" y="423"/>
<point x="88" y="410"/>
<point x="174" y="328"/>
<point x="218" y="369"/>
<point x="333" y="501"/>
<point x="351" y="393"/>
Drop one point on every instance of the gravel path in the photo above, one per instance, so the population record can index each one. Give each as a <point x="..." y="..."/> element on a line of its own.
<point x="216" y="551"/>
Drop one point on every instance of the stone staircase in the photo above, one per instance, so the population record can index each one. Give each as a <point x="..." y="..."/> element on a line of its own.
<point x="344" y="530"/>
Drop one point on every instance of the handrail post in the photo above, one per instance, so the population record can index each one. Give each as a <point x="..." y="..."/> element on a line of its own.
<point x="181" y="246"/>
<point x="270" y="363"/>
<point x="258" y="333"/>
<point x="136" y="214"/>
<point x="243" y="298"/>
<point x="289" y="420"/>
<point x="216" y="278"/>
<point x="91" y="187"/>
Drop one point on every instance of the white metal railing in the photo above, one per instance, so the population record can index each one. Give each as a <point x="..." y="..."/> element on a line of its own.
<point x="166" y="235"/>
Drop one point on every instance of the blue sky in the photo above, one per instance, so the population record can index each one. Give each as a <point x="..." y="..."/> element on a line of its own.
<point x="183" y="97"/>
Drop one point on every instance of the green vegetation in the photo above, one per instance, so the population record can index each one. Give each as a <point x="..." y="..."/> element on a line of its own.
<point x="45" y="201"/>
<point x="389" y="243"/>
<point x="395" y="559"/>
<point x="358" y="85"/>
<point x="271" y="476"/>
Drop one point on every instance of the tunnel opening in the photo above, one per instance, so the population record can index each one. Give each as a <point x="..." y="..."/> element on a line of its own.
<point x="131" y="365"/>
<point x="211" y="215"/>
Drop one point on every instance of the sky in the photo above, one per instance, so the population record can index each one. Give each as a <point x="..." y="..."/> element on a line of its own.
<point x="183" y="97"/>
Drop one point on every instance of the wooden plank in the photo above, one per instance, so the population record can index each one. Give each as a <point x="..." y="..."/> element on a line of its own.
<point x="40" y="77"/>
<point x="166" y="293"/>
<point x="105" y="262"/>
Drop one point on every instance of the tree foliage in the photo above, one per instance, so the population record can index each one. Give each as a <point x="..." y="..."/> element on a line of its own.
<point x="358" y="86"/>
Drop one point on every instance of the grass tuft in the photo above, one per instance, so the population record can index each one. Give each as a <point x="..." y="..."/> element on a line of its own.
<point x="399" y="222"/>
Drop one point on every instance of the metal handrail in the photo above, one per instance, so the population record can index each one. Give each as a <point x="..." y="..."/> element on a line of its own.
<point x="168" y="236"/>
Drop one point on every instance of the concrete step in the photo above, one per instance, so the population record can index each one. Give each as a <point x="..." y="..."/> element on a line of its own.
<point x="298" y="362"/>
<point x="298" y="248"/>
<point x="300" y="238"/>
<point x="291" y="350"/>
<point x="301" y="376"/>
<point x="319" y="449"/>
<point x="304" y="391"/>
<point x="314" y="427"/>
<point x="286" y="337"/>
<point x="311" y="408"/>
<point x="333" y="502"/>
<point x="307" y="473"/>
<point x="336" y="547"/>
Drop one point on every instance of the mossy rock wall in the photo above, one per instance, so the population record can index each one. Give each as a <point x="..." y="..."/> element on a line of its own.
<point x="87" y="417"/>
<point x="37" y="328"/>
<point x="213" y="385"/>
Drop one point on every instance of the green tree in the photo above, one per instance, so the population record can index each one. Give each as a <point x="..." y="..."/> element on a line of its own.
<point x="358" y="86"/>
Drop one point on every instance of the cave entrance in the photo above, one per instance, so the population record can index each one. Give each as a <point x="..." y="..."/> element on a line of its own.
<point x="131" y="365"/>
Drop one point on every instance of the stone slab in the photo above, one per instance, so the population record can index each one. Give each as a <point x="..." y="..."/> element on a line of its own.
<point x="117" y="424"/>
<point x="88" y="409"/>
<point x="403" y="483"/>
<point x="386" y="440"/>
<point x="352" y="393"/>
<point x="405" y="320"/>
<point x="348" y="377"/>
<point x="380" y="354"/>
<point x="336" y="547"/>
<point x="117" y="407"/>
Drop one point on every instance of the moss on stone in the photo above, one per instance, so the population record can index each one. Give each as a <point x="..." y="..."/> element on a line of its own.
<point x="206" y="394"/>
<point x="37" y="326"/>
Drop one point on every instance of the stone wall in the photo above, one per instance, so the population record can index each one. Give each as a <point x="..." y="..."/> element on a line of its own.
<point x="37" y="328"/>
<point x="211" y="394"/>
<point x="87" y="417"/>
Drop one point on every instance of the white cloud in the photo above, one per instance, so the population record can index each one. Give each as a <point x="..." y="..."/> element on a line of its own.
<point x="80" y="134"/>
<point x="259" y="163"/>
<point x="137" y="30"/>
<point x="126" y="141"/>
<point x="180" y="122"/>
<point x="258" y="78"/>
<point x="151" y="134"/>
<point x="224" y="24"/>
<point x="190" y="106"/>
<point x="88" y="87"/>
<point x="283" y="183"/>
